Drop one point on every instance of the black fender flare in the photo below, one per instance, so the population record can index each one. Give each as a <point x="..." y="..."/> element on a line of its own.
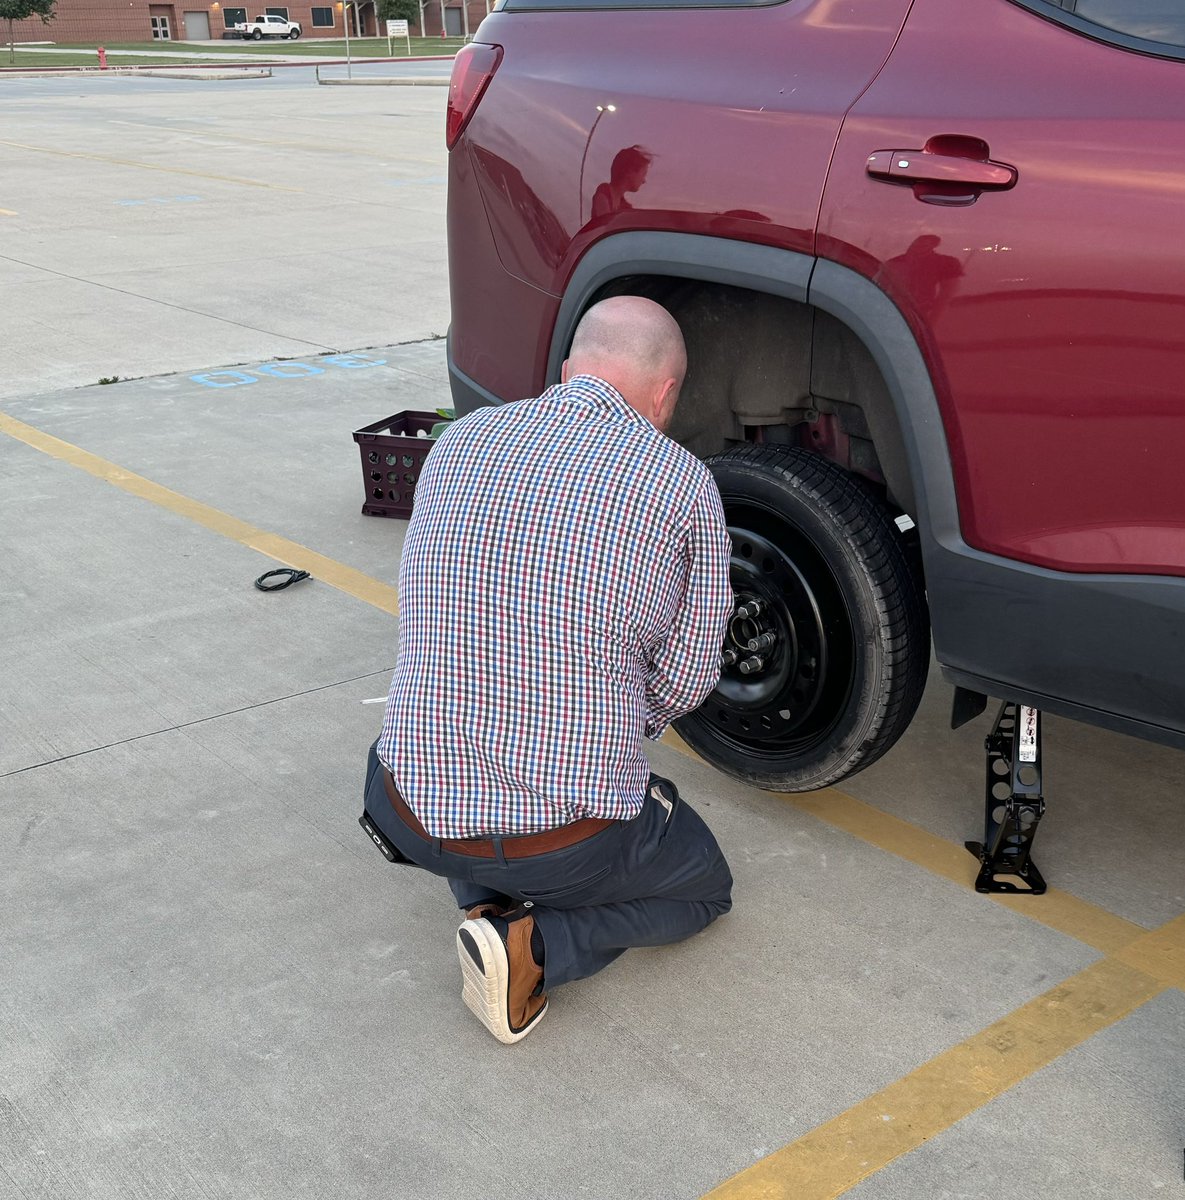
<point x="843" y="293"/>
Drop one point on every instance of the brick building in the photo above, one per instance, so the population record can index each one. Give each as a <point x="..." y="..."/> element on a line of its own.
<point x="94" y="22"/>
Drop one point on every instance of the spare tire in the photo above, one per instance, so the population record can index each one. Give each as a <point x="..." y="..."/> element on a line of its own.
<point x="828" y="650"/>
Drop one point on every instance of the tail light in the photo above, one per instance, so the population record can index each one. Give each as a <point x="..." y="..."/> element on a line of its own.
<point x="473" y="68"/>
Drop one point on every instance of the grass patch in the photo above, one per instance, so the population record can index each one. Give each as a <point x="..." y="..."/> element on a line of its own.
<point x="336" y="48"/>
<point x="328" y="48"/>
<point x="90" y="59"/>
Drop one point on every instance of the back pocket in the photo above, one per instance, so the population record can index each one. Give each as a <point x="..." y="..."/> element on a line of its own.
<point x="568" y="895"/>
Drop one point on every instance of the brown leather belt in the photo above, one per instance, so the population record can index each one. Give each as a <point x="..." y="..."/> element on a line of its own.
<point x="518" y="845"/>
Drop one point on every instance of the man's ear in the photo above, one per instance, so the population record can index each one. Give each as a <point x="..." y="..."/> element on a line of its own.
<point x="564" y="371"/>
<point x="664" y="409"/>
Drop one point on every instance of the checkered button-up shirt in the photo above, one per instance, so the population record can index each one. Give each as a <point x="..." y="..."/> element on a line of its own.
<point x="564" y="592"/>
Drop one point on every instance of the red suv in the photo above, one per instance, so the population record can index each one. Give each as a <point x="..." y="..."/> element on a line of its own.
<point x="929" y="260"/>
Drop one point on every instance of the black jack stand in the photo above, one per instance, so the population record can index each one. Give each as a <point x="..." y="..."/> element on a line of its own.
<point x="1013" y="803"/>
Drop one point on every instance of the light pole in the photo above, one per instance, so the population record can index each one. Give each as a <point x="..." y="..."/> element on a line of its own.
<point x="346" y="23"/>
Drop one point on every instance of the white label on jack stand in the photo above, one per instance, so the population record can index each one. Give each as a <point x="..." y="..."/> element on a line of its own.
<point x="1027" y="735"/>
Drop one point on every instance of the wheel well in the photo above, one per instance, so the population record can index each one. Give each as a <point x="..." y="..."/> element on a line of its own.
<point x="764" y="368"/>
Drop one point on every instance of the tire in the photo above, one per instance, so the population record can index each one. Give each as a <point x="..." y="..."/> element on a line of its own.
<point x="843" y="601"/>
<point x="257" y="35"/>
<point x="293" y="35"/>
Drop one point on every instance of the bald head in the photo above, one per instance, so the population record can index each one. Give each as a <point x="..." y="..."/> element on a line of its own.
<point x="635" y="345"/>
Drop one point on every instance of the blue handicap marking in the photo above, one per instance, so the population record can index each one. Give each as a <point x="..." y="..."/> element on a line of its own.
<point x="353" y="362"/>
<point x="224" y="379"/>
<point x="286" y="370"/>
<point x="289" y="370"/>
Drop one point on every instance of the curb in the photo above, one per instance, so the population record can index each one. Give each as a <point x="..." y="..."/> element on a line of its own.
<point x="246" y="73"/>
<point x="374" y="81"/>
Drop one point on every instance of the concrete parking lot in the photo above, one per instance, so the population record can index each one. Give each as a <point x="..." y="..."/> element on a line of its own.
<point x="212" y="985"/>
<point x="155" y="225"/>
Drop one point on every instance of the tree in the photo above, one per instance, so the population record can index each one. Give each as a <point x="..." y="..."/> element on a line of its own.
<point x="388" y="10"/>
<point x="22" y="10"/>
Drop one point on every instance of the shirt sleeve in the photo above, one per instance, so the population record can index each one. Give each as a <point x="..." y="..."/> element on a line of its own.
<point x="686" y="667"/>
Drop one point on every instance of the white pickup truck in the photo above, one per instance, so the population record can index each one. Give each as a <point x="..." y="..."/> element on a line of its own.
<point x="268" y="26"/>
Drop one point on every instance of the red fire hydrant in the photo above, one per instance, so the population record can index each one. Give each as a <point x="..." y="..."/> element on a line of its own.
<point x="102" y="58"/>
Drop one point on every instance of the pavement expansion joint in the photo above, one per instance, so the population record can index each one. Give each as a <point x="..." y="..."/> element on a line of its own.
<point x="384" y="672"/>
<point x="197" y="312"/>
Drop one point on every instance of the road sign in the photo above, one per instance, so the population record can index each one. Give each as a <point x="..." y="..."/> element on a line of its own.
<point x="398" y="29"/>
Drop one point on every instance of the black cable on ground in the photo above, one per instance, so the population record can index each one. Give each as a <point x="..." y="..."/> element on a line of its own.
<point x="294" y="576"/>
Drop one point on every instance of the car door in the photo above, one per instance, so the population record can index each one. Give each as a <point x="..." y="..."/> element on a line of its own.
<point x="1047" y="291"/>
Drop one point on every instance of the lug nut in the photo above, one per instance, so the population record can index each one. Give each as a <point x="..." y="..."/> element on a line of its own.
<point x="728" y="658"/>
<point x="752" y="665"/>
<point x="762" y="642"/>
<point x="750" y="609"/>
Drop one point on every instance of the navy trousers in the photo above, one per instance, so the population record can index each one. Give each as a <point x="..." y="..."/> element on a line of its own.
<point x="656" y="879"/>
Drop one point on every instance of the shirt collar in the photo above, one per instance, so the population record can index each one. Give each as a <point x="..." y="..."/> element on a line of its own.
<point x="600" y="395"/>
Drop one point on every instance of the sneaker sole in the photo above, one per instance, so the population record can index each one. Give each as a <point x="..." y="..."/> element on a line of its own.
<point x="485" y="976"/>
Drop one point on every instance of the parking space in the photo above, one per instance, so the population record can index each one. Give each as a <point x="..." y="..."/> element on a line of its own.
<point x="215" y="986"/>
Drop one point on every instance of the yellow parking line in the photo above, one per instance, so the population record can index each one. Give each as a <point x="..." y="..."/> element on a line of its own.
<point x="128" y="162"/>
<point x="327" y="570"/>
<point x="7" y="212"/>
<point x="838" y="1154"/>
<point x="1059" y="910"/>
<point x="1160" y="953"/>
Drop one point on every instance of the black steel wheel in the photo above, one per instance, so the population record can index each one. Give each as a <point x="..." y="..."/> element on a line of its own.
<point x="828" y="648"/>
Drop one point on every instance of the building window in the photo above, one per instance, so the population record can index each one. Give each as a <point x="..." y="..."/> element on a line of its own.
<point x="160" y="29"/>
<point x="322" y="18"/>
<point x="282" y="13"/>
<point x="234" y="16"/>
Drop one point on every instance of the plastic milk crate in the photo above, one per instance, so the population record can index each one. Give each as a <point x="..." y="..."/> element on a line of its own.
<point x="393" y="453"/>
